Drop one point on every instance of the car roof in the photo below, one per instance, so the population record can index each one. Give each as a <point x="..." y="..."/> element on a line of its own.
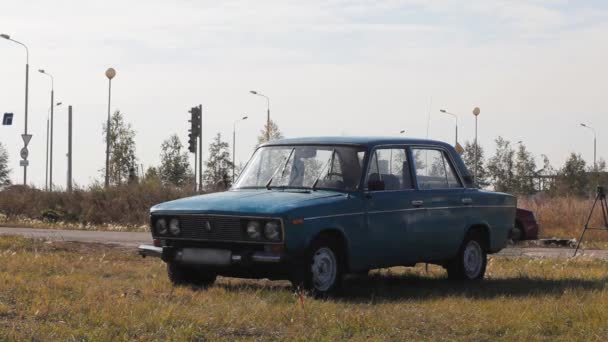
<point x="362" y="141"/>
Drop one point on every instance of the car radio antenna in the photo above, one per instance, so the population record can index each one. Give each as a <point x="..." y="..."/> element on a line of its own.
<point x="601" y="199"/>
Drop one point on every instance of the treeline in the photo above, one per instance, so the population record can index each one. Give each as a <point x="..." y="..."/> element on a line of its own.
<point x="174" y="168"/>
<point x="132" y="190"/>
<point x="515" y="170"/>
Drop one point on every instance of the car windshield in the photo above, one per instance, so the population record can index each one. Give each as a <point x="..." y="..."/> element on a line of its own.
<point x="305" y="167"/>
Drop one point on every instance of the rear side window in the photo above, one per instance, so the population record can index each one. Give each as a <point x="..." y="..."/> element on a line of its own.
<point x="391" y="166"/>
<point x="434" y="170"/>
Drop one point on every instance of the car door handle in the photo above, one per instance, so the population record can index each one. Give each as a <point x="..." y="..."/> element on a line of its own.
<point x="417" y="203"/>
<point x="467" y="201"/>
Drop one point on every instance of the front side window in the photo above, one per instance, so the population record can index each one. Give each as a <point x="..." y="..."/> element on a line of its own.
<point x="319" y="167"/>
<point x="434" y="170"/>
<point x="391" y="166"/>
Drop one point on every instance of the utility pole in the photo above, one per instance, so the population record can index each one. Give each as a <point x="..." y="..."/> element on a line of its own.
<point x="69" y="186"/>
<point x="51" y="127"/>
<point x="46" y="171"/>
<point x="195" y="133"/>
<point x="110" y="73"/>
<point x="200" y="147"/>
<point x="476" y="112"/>
<point x="26" y="137"/>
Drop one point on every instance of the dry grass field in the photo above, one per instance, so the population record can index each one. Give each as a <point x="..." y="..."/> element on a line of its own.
<point x="80" y="292"/>
<point x="564" y="217"/>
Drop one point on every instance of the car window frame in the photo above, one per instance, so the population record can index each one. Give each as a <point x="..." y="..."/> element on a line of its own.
<point x="369" y="161"/>
<point x="451" y="161"/>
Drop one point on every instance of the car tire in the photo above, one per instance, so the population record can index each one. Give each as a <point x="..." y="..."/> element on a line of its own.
<point x="471" y="261"/>
<point x="322" y="270"/>
<point x="517" y="233"/>
<point x="181" y="275"/>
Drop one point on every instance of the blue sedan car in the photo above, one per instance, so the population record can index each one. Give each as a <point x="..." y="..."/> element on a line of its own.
<point x="314" y="209"/>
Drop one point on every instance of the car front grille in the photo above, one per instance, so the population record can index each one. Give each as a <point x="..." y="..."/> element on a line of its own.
<point x="222" y="228"/>
<point x="211" y="228"/>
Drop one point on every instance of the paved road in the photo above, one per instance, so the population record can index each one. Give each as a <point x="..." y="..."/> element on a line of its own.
<point x="132" y="240"/>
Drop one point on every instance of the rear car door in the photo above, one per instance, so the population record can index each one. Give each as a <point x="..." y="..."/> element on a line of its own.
<point x="441" y="193"/>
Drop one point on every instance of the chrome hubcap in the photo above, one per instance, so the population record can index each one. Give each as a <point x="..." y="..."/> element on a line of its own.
<point x="324" y="269"/>
<point x="472" y="259"/>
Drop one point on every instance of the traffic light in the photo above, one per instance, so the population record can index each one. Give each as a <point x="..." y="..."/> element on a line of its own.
<point x="195" y="128"/>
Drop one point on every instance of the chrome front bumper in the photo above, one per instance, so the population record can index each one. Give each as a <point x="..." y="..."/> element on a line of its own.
<point x="209" y="256"/>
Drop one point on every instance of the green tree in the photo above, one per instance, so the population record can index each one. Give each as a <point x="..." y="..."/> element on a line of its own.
<point x="122" y="149"/>
<point x="4" y="170"/>
<point x="152" y="175"/>
<point x="468" y="157"/>
<point x="501" y="166"/>
<point x="547" y="184"/>
<point x="175" y="167"/>
<point x="275" y="133"/>
<point x="218" y="168"/>
<point x="572" y="178"/>
<point x="525" y="170"/>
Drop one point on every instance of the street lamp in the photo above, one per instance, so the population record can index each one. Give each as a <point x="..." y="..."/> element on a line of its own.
<point x="267" y="113"/>
<point x="52" y="125"/>
<point x="594" y="145"/>
<point x="402" y="131"/>
<point x="476" y="112"/>
<point x="234" y="144"/>
<point x="110" y="73"/>
<point x="27" y="77"/>
<point x="46" y="174"/>
<point x="456" y="118"/>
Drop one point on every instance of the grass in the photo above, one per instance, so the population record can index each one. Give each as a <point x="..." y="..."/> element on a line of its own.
<point x="69" y="291"/>
<point x="564" y="217"/>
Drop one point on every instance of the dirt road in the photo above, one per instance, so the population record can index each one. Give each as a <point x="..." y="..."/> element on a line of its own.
<point x="132" y="240"/>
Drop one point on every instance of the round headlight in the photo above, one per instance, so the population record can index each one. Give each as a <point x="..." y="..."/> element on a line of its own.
<point x="254" y="229"/>
<point x="161" y="226"/>
<point x="174" y="226"/>
<point x="272" y="230"/>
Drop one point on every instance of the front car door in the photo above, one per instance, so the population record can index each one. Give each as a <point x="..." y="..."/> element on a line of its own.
<point x="389" y="210"/>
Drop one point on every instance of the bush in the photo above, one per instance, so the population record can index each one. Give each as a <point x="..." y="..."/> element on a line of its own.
<point x="125" y="204"/>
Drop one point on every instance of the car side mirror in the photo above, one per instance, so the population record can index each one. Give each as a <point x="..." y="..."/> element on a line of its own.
<point x="375" y="185"/>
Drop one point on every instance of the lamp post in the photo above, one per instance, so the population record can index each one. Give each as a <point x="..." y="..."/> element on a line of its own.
<point x="51" y="127"/>
<point x="267" y="112"/>
<point x="110" y="73"/>
<point x="594" y="145"/>
<point x="27" y="77"/>
<point x="456" y="118"/>
<point x="46" y="174"/>
<point x="476" y="112"/>
<point x="234" y="144"/>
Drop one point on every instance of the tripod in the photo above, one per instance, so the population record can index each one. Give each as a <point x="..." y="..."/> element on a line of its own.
<point x="601" y="198"/>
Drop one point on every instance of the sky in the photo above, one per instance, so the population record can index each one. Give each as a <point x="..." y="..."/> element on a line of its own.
<point x="536" y="69"/>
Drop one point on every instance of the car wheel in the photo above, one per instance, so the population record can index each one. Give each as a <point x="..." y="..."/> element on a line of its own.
<point x="322" y="271"/>
<point x="180" y="274"/>
<point x="517" y="233"/>
<point x="471" y="261"/>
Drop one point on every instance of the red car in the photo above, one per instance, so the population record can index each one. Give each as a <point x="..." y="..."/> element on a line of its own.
<point x="526" y="227"/>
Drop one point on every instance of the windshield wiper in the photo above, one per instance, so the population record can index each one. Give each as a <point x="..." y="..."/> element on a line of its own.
<point x="331" y="158"/>
<point x="277" y="170"/>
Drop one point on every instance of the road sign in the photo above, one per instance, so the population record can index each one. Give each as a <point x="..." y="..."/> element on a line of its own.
<point x="24" y="162"/>
<point x="26" y="138"/>
<point x="24" y="153"/>
<point x="7" y="120"/>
